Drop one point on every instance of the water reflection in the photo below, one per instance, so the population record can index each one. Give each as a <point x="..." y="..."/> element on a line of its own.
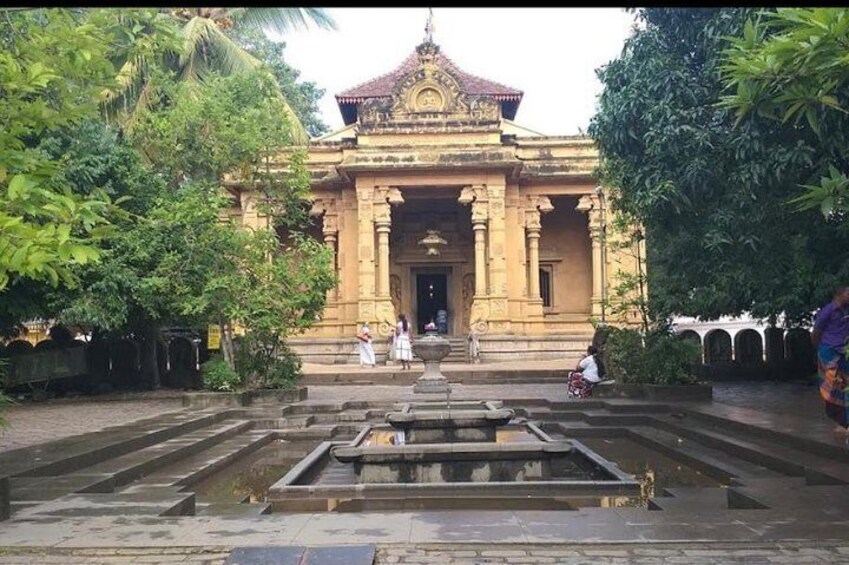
<point x="249" y="478"/>
<point x="384" y="436"/>
<point x="653" y="470"/>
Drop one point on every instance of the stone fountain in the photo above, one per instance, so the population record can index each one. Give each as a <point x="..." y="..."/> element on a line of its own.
<point x="432" y="349"/>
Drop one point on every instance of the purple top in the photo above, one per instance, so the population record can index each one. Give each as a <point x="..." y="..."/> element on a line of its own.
<point x="833" y="322"/>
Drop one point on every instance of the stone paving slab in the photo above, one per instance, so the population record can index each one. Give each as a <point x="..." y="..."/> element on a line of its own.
<point x="730" y="553"/>
<point x="554" y="526"/>
<point x="31" y="423"/>
<point x="293" y="555"/>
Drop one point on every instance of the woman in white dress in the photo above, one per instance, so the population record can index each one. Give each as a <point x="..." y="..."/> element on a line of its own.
<point x="403" y="342"/>
<point x="366" y="348"/>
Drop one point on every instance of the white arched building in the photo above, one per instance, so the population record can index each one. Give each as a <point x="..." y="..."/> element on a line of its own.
<point x="743" y="339"/>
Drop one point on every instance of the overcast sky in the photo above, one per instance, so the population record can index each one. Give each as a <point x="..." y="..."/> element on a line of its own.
<point x="549" y="53"/>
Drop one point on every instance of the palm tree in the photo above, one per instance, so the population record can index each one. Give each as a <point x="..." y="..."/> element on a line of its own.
<point x="203" y="47"/>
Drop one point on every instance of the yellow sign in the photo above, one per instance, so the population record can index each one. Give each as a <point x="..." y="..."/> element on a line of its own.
<point x="214" y="335"/>
<point x="213" y="338"/>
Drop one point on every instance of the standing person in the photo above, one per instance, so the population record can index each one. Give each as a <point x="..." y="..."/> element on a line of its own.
<point x="366" y="348"/>
<point x="830" y="334"/>
<point x="403" y="342"/>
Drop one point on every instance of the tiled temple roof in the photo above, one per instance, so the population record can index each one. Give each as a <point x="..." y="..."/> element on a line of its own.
<point x="470" y="84"/>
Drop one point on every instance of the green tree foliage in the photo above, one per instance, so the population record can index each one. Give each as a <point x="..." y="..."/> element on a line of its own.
<point x="711" y="196"/>
<point x="303" y="96"/>
<point x="791" y="66"/>
<point x="205" y="48"/>
<point x="656" y="357"/>
<point x="52" y="67"/>
<point x="176" y="259"/>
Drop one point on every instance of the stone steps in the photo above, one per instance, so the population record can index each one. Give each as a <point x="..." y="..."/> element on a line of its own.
<point x="239" y="510"/>
<point x="788" y="460"/>
<point x="152" y="502"/>
<point x="197" y="467"/>
<point x="714" y="461"/>
<point x="319" y="432"/>
<point x="806" y="444"/>
<point x="75" y="453"/>
<point x="106" y="476"/>
<point x="689" y="499"/>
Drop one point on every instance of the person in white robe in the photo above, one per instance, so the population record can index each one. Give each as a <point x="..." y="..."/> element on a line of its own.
<point x="366" y="348"/>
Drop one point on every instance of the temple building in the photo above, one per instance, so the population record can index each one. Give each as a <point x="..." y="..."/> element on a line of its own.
<point x="434" y="199"/>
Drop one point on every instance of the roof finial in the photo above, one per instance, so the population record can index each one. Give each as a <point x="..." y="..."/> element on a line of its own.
<point x="429" y="27"/>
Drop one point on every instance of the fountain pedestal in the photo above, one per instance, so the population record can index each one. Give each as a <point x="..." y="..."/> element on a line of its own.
<point x="432" y="349"/>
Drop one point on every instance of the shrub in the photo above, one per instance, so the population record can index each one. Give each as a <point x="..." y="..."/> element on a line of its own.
<point x="4" y="400"/>
<point x="657" y="358"/>
<point x="218" y="376"/>
<point x="267" y="363"/>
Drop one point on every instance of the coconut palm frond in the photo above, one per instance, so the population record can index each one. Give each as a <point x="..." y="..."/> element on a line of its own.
<point x="230" y="58"/>
<point x="223" y="54"/>
<point x="141" y="107"/>
<point x="282" y="20"/>
<point x="299" y="133"/>
<point x="129" y="76"/>
<point x="132" y="80"/>
<point x="198" y="38"/>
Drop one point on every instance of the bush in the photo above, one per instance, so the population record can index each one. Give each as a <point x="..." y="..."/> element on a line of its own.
<point x="659" y="358"/>
<point x="267" y="363"/>
<point x="4" y="400"/>
<point x="218" y="376"/>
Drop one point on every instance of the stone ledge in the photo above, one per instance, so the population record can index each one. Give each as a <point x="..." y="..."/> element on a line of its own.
<point x="699" y="391"/>
<point x="5" y="499"/>
<point x="206" y="399"/>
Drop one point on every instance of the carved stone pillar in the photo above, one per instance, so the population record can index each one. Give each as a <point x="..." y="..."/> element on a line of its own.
<point x="326" y="209"/>
<point x="382" y="259"/>
<point x="497" y="258"/>
<point x="591" y="206"/>
<point x="365" y="253"/>
<point x="479" y="229"/>
<point x="537" y="205"/>
<point x="330" y="230"/>
<point x="384" y="198"/>
<point x="476" y="197"/>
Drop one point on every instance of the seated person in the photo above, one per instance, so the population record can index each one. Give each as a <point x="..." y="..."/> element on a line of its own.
<point x="585" y="375"/>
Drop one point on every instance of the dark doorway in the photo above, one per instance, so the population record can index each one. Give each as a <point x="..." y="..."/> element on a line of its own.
<point x="431" y="297"/>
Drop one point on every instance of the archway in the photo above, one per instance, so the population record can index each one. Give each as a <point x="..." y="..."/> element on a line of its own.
<point x="748" y="347"/>
<point x="717" y="347"/>
<point x="695" y="337"/>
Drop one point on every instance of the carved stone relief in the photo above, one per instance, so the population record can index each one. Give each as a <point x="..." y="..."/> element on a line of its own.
<point x="468" y="297"/>
<point x="395" y="292"/>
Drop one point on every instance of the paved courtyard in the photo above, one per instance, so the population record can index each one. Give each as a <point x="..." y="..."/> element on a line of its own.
<point x="789" y="553"/>
<point x="805" y="521"/>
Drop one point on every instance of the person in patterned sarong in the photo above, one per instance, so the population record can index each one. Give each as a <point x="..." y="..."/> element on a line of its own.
<point x="830" y="335"/>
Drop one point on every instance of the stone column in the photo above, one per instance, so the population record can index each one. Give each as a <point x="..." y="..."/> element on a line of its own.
<point x="365" y="253"/>
<point x="479" y="228"/>
<point x="476" y="197"/>
<point x="497" y="259"/>
<point x="384" y="198"/>
<point x="382" y="258"/>
<point x="591" y="206"/>
<point x="537" y="205"/>
<point x="326" y="209"/>
<point x="533" y="263"/>
<point x="330" y="230"/>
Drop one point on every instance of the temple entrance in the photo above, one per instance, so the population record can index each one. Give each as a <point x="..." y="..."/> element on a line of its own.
<point x="431" y="297"/>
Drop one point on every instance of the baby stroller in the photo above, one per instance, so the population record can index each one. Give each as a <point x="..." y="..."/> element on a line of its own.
<point x="578" y="387"/>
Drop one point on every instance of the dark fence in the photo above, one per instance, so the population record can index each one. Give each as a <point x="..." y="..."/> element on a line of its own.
<point x="98" y="366"/>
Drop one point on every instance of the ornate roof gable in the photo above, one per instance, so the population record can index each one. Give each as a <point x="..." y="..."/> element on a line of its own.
<point x="427" y="87"/>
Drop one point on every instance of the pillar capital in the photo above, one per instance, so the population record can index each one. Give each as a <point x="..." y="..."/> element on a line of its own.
<point x="388" y="195"/>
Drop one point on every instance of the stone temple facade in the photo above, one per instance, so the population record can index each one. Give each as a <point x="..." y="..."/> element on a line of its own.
<point x="522" y="258"/>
